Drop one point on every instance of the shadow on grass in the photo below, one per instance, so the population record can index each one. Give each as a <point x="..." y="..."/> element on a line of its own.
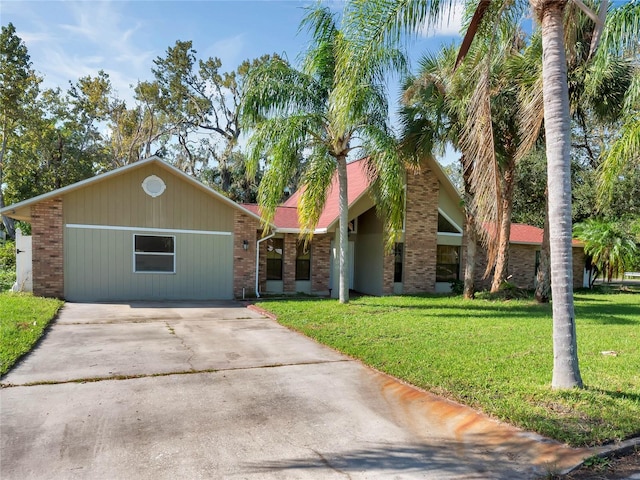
<point x="606" y="313"/>
<point x="634" y="397"/>
<point x="476" y="458"/>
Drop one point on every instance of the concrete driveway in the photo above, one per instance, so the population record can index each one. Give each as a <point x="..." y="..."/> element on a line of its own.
<point x="214" y="390"/>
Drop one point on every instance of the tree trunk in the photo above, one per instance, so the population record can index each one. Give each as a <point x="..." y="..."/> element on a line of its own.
<point x="504" y="233"/>
<point x="469" y="291"/>
<point x="543" y="288"/>
<point x="344" y="229"/>
<point x="566" y="372"/>
<point x="9" y="223"/>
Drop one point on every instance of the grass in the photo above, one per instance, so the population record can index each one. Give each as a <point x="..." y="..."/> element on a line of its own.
<point x="23" y="318"/>
<point x="496" y="356"/>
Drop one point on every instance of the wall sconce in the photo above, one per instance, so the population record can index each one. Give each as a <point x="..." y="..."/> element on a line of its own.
<point x="245" y="244"/>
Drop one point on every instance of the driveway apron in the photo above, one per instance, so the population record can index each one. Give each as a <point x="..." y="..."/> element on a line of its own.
<point x="214" y="390"/>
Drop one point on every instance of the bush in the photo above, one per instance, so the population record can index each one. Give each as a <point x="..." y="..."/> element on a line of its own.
<point x="7" y="265"/>
<point x="457" y="287"/>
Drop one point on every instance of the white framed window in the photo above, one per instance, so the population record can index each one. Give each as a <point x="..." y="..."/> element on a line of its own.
<point x="154" y="253"/>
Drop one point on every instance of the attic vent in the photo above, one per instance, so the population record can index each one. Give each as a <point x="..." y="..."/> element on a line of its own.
<point x="153" y="186"/>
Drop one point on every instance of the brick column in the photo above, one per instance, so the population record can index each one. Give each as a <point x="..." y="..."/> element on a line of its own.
<point x="320" y="253"/>
<point x="48" y="249"/>
<point x="244" y="261"/>
<point x="289" y="263"/>
<point x="421" y="232"/>
<point x="578" y="266"/>
<point x="388" y="271"/>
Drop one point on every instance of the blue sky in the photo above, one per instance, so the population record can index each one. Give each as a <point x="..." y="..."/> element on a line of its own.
<point x="68" y="39"/>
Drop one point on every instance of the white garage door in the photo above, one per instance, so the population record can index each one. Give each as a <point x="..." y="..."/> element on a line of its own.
<point x="123" y="263"/>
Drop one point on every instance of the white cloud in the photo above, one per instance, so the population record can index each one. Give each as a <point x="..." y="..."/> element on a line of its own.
<point x="229" y="50"/>
<point x="93" y="36"/>
<point x="449" y="24"/>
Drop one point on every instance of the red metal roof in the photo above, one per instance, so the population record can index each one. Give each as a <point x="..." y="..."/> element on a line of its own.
<point x="358" y="183"/>
<point x="285" y="217"/>
<point x="521" y="233"/>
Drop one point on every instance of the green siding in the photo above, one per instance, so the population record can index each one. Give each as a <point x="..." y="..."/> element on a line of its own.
<point x="99" y="267"/>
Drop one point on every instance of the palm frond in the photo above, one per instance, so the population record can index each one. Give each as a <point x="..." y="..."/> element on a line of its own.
<point x="624" y="153"/>
<point x="386" y="170"/>
<point x="622" y="30"/>
<point x="275" y="88"/>
<point x="528" y="69"/>
<point x="477" y="143"/>
<point x="279" y="142"/>
<point x="315" y="184"/>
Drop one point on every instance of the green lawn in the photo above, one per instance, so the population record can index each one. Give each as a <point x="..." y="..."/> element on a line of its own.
<point x="23" y="318"/>
<point x="494" y="355"/>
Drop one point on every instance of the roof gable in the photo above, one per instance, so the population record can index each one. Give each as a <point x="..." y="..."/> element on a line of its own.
<point x="22" y="210"/>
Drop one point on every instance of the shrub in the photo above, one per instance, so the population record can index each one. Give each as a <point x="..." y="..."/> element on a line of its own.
<point x="7" y="265"/>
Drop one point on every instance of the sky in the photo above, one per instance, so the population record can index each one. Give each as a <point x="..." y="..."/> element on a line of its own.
<point x="67" y="40"/>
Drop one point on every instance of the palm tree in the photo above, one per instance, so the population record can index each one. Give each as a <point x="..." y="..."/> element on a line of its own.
<point x="611" y="249"/>
<point x="383" y="22"/>
<point x="432" y="116"/>
<point x="291" y="112"/>
<point x="622" y="38"/>
<point x="598" y="83"/>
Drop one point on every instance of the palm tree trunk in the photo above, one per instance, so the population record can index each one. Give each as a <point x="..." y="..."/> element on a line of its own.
<point x="566" y="372"/>
<point x="344" y="229"/>
<point x="543" y="287"/>
<point x="504" y="233"/>
<point x="469" y="291"/>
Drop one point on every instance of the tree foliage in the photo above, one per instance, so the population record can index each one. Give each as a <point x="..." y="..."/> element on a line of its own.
<point x="295" y="113"/>
<point x="611" y="246"/>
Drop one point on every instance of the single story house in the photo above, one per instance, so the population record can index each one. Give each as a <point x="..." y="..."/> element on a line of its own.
<point x="525" y="243"/>
<point x="149" y="231"/>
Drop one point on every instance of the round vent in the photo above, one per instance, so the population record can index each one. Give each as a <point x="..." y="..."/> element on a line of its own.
<point x="153" y="186"/>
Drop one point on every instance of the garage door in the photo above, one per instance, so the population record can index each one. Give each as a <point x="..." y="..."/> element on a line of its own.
<point x="122" y="263"/>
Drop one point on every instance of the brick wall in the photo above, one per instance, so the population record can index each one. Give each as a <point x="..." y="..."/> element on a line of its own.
<point x="388" y="270"/>
<point x="421" y="237"/>
<point x="244" y="261"/>
<point x="289" y="262"/>
<point x="320" y="253"/>
<point x="522" y="265"/>
<point x="481" y="283"/>
<point x="522" y="261"/>
<point x="48" y="251"/>
<point x="578" y="267"/>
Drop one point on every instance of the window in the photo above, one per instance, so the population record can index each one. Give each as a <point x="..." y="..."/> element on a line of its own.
<point x="275" y="248"/>
<point x="397" y="267"/>
<point x="445" y="226"/>
<point x="447" y="263"/>
<point x="154" y="254"/>
<point x="303" y="262"/>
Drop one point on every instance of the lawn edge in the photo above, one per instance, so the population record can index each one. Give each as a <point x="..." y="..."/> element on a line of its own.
<point x="35" y="344"/>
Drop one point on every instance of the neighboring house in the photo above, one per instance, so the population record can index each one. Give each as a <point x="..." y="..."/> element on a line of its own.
<point x="148" y="231"/>
<point x="524" y="259"/>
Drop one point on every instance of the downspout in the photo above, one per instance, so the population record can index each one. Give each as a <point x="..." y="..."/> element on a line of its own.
<point x="258" y="261"/>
